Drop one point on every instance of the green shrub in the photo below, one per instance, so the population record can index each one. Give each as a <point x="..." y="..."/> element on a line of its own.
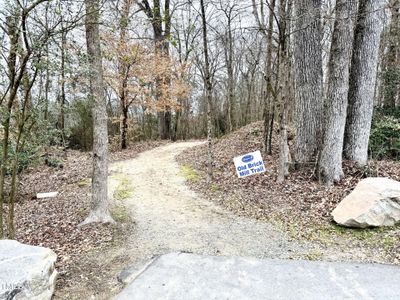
<point x="38" y="134"/>
<point x="81" y="129"/>
<point x="385" y="137"/>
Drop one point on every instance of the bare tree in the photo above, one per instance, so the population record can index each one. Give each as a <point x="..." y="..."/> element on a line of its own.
<point x="99" y="210"/>
<point x="308" y="78"/>
<point x="283" y="92"/>
<point x="269" y="103"/>
<point x="160" y="18"/>
<point x="230" y="12"/>
<point x="363" y="75"/>
<point x="330" y="160"/>
<point x="390" y="95"/>
<point x="208" y="89"/>
<point x="23" y="50"/>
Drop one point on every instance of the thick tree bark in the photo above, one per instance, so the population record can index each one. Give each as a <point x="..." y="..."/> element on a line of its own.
<point x="391" y="72"/>
<point x="283" y="93"/>
<point x="363" y="75"/>
<point x="308" y="78"/>
<point x="208" y="88"/>
<point x="330" y="159"/>
<point x="99" y="210"/>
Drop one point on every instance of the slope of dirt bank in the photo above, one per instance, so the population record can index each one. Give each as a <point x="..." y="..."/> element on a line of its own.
<point x="299" y="205"/>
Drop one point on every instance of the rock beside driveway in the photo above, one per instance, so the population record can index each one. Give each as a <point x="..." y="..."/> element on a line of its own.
<point x="26" y="272"/>
<point x="374" y="202"/>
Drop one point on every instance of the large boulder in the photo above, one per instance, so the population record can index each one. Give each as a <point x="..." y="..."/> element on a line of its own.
<point x="374" y="202"/>
<point x="26" y="272"/>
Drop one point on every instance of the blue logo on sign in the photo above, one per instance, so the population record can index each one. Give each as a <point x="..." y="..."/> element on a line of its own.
<point x="247" y="158"/>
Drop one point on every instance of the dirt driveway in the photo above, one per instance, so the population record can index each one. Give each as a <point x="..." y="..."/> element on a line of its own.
<point x="169" y="217"/>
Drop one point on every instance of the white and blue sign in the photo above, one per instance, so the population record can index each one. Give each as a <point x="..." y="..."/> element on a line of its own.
<point x="249" y="164"/>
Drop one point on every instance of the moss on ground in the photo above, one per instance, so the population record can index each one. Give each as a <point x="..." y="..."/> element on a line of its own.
<point x="124" y="189"/>
<point x="120" y="214"/>
<point x="85" y="182"/>
<point x="214" y="188"/>
<point x="372" y="237"/>
<point x="189" y="173"/>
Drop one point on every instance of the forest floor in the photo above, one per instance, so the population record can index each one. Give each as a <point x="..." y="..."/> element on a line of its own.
<point x="53" y="222"/>
<point x="169" y="217"/>
<point x="299" y="206"/>
<point x="163" y="206"/>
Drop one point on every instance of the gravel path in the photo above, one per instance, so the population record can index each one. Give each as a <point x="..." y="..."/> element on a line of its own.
<point x="170" y="217"/>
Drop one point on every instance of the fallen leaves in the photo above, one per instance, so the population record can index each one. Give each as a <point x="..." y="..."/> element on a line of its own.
<point x="300" y="204"/>
<point x="53" y="222"/>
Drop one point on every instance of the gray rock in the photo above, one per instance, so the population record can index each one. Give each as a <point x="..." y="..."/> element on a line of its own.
<point x="182" y="276"/>
<point x="26" y="272"/>
<point x="374" y="202"/>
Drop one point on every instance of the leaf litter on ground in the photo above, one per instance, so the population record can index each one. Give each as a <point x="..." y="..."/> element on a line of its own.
<point x="299" y="205"/>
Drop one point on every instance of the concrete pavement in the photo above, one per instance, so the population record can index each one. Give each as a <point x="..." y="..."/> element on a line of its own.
<point x="181" y="276"/>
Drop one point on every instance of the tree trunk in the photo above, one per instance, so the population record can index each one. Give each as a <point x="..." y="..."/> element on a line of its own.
<point x="99" y="210"/>
<point x="19" y="146"/>
<point x="308" y="78"/>
<point x="283" y="165"/>
<point x="363" y="75"/>
<point x="123" y="128"/>
<point x="283" y="89"/>
<point x="47" y="85"/>
<point x="162" y="48"/>
<point x="62" y="96"/>
<point x="123" y="70"/>
<point x="231" y="84"/>
<point x="391" y="73"/>
<point x="12" y="32"/>
<point x="208" y="88"/>
<point x="330" y="159"/>
<point x="269" y="102"/>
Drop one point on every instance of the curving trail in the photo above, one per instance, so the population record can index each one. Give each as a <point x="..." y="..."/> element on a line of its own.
<point x="170" y="217"/>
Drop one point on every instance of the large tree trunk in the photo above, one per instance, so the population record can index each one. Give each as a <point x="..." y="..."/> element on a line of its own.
<point x="283" y="91"/>
<point x="99" y="210"/>
<point x="308" y="78"/>
<point x="391" y="72"/>
<point x="330" y="160"/>
<point x="208" y="88"/>
<point x="363" y="78"/>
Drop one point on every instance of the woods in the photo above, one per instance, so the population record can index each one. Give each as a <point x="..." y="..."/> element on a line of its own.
<point x="320" y="74"/>
<point x="133" y="129"/>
